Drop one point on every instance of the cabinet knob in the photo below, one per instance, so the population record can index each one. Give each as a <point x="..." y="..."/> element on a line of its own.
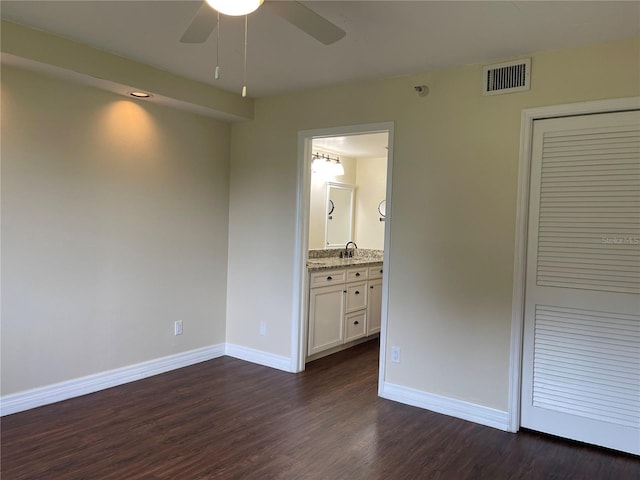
<point x="357" y="292"/>
<point x="356" y="322"/>
<point x="380" y="270"/>
<point x="344" y="291"/>
<point x="371" y="286"/>
<point x="329" y="278"/>
<point x="357" y="274"/>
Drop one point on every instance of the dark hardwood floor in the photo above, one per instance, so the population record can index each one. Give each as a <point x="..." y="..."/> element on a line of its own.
<point x="226" y="418"/>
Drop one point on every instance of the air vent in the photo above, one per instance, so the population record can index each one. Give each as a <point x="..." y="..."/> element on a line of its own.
<point x="506" y="77"/>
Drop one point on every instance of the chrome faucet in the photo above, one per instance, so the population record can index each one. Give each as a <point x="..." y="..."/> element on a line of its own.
<point x="349" y="253"/>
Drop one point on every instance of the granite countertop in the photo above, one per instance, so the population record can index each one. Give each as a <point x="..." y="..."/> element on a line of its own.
<point x="317" y="261"/>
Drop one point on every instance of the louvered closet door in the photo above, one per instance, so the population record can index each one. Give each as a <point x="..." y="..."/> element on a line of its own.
<point x="581" y="358"/>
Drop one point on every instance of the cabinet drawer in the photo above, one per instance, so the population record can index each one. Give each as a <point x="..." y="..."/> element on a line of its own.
<point x="356" y="296"/>
<point x="354" y="274"/>
<point x="375" y="272"/>
<point x="355" y="325"/>
<point x="327" y="277"/>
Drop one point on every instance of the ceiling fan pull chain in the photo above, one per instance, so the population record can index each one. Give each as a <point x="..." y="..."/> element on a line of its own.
<point x="216" y="75"/>
<point x="244" y="78"/>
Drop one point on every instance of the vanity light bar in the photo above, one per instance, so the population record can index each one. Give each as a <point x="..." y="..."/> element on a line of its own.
<point x="320" y="156"/>
<point x="327" y="165"/>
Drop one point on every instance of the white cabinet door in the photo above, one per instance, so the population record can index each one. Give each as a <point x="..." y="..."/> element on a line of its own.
<point x="374" y="306"/>
<point x="581" y="355"/>
<point x="326" y="314"/>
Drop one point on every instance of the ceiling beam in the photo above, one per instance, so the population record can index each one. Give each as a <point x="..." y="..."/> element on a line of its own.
<point x="51" y="54"/>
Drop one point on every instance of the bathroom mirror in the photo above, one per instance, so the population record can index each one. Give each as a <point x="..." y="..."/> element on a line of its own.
<point x="339" y="218"/>
<point x="382" y="208"/>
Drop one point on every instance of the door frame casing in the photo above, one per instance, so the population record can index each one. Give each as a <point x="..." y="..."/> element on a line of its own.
<point x="300" y="280"/>
<point x="527" y="119"/>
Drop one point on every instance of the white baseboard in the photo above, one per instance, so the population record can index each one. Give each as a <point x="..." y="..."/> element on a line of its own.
<point x="38" y="397"/>
<point x="259" y="357"/>
<point x="448" y="406"/>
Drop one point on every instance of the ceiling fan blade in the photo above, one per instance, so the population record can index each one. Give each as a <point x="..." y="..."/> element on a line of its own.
<point x="201" y="26"/>
<point x="306" y="20"/>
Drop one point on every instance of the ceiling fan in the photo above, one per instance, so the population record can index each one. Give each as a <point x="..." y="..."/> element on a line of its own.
<point x="297" y="14"/>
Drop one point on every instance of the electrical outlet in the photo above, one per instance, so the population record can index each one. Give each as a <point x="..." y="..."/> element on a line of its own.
<point x="263" y="328"/>
<point x="177" y="327"/>
<point x="395" y="354"/>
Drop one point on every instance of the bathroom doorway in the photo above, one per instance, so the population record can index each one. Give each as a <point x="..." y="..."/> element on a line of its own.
<point x="360" y="191"/>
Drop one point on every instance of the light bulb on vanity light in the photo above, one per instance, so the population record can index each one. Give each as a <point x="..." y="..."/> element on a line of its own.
<point x="319" y="165"/>
<point x="327" y="166"/>
<point x="337" y="170"/>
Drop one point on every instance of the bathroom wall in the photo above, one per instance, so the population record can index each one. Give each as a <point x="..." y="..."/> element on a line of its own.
<point x="318" y="199"/>
<point x="371" y="178"/>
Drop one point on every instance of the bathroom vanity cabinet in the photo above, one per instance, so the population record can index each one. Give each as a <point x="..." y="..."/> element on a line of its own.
<point x="344" y="306"/>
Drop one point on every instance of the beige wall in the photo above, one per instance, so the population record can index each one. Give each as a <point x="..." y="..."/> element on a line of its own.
<point x="114" y="225"/>
<point x="454" y="200"/>
<point x="372" y="184"/>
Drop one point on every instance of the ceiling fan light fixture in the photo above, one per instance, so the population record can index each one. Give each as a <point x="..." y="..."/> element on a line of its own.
<point x="235" y="7"/>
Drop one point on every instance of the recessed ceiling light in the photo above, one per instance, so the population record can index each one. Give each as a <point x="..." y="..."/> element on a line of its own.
<point x="140" y="94"/>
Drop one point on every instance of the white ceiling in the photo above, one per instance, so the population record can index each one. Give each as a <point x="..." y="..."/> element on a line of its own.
<point x="384" y="38"/>
<point x="359" y="146"/>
